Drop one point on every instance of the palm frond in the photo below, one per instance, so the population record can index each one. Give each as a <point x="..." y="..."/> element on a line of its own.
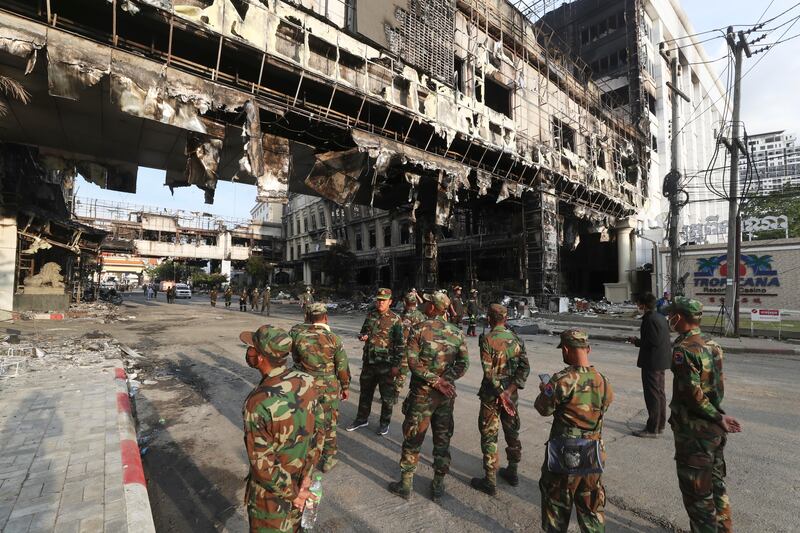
<point x="13" y="89"/>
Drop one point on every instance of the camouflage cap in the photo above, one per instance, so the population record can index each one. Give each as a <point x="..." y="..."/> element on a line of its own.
<point x="497" y="311"/>
<point x="317" y="308"/>
<point x="574" y="338"/>
<point x="686" y="306"/>
<point x="439" y="300"/>
<point x="268" y="340"/>
<point x="457" y="288"/>
<point x="384" y="294"/>
<point x="411" y="297"/>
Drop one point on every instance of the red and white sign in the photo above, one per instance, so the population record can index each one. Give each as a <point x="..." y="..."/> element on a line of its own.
<point x="765" y="315"/>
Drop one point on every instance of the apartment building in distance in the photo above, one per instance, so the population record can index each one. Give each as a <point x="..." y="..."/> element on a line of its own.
<point x="774" y="162"/>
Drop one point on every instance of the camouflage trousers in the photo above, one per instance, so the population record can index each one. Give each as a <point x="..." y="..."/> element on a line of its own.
<point x="376" y="375"/>
<point x="265" y="305"/>
<point x="270" y="514"/>
<point x="701" y="477"/>
<point x="422" y="409"/>
<point x="329" y="400"/>
<point x="213" y="302"/>
<point x="490" y="417"/>
<point x="560" y="492"/>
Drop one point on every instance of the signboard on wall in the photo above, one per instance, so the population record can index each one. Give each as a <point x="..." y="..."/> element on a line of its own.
<point x="765" y="315"/>
<point x="756" y="275"/>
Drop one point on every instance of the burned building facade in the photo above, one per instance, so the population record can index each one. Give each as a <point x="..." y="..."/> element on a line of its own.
<point x="449" y="112"/>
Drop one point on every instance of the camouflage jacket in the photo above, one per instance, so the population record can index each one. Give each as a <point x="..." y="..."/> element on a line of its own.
<point x="504" y="362"/>
<point x="306" y="298"/>
<point x="228" y="293"/>
<point x="266" y="295"/>
<point x="283" y="432"/>
<point x="319" y="352"/>
<point x="473" y="308"/>
<point x="457" y="306"/>
<point x="436" y="348"/>
<point x="409" y="320"/>
<point x="577" y="397"/>
<point x="697" y="385"/>
<point x="385" y="338"/>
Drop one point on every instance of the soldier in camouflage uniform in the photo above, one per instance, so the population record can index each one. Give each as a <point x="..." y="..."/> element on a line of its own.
<point x="410" y="317"/>
<point x="266" y="294"/>
<point x="254" y="299"/>
<point x="283" y="434"/>
<point x="306" y="298"/>
<point x="213" y="296"/>
<point x="437" y="357"/>
<point x="456" y="309"/>
<point x="577" y="398"/>
<point x="382" y="335"/>
<point x="228" y="296"/>
<point x="505" y="370"/>
<point x="698" y="422"/>
<point x="473" y="308"/>
<point x="319" y="352"/>
<point x="243" y="299"/>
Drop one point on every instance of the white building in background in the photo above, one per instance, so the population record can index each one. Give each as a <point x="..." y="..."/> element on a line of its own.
<point x="775" y="159"/>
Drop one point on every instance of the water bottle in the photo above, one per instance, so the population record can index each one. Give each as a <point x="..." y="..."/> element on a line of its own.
<point x="312" y="504"/>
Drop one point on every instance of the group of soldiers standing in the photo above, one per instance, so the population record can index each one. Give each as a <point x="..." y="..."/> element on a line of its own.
<point x="291" y="416"/>
<point x="259" y="300"/>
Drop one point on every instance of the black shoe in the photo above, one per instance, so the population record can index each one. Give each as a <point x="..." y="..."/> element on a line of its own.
<point x="383" y="429"/>
<point x="511" y="477"/>
<point x="357" y="424"/>
<point x="484" y="486"/>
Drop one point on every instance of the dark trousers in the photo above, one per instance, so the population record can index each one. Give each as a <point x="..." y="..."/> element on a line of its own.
<point x="376" y="375"/>
<point x="655" y="399"/>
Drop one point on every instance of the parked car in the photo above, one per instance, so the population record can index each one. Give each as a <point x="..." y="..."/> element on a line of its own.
<point x="182" y="290"/>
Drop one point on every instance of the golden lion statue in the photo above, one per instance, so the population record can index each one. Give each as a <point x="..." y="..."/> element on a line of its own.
<point x="49" y="275"/>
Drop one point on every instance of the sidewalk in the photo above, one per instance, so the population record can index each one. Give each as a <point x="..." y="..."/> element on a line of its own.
<point x="61" y="459"/>
<point x="619" y="329"/>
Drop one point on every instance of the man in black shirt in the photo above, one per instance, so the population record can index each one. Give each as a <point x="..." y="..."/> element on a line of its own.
<point x="655" y="356"/>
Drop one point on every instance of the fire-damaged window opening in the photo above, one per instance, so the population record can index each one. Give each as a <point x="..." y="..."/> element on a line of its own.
<point x="654" y="143"/>
<point x="617" y="98"/>
<point x="359" y="242"/>
<point x="458" y="73"/>
<point x="478" y="89"/>
<point x="563" y="135"/>
<point x="387" y="235"/>
<point x="651" y="103"/>
<point x="373" y="242"/>
<point x="350" y="18"/>
<point x="313" y="221"/>
<point x="405" y="234"/>
<point x="601" y="156"/>
<point x="498" y="97"/>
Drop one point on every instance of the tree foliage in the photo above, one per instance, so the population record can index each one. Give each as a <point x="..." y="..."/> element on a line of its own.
<point x="784" y="202"/>
<point x="170" y="270"/>
<point x="258" y="269"/>
<point x="338" y="263"/>
<point x="215" y="279"/>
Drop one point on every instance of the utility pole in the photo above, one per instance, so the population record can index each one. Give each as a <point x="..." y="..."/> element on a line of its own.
<point x="672" y="179"/>
<point x="732" y="280"/>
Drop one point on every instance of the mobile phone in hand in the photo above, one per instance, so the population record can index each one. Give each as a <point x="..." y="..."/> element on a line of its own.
<point x="544" y="378"/>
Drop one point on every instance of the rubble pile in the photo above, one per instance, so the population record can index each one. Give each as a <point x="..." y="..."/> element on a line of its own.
<point x="106" y="312"/>
<point x="52" y="353"/>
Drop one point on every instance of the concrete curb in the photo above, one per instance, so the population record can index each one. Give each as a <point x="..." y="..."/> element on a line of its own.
<point x="794" y="352"/>
<point x="137" y="503"/>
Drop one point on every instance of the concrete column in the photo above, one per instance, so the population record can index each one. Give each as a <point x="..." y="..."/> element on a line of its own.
<point x="621" y="290"/>
<point x="8" y="262"/>
<point x="623" y="253"/>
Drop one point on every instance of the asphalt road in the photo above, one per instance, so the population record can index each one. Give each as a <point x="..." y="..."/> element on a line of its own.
<point x="195" y="459"/>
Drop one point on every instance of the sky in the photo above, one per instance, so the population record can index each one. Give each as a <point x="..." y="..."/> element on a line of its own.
<point x="769" y="102"/>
